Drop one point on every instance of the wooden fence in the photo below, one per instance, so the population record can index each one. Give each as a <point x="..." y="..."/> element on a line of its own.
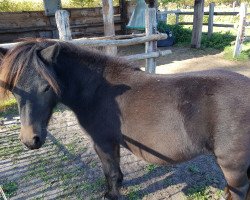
<point x="241" y="30"/>
<point x="83" y="22"/>
<point x="211" y="13"/>
<point x="150" y="38"/>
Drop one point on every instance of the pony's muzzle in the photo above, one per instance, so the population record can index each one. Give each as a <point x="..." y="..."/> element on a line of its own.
<point x="31" y="138"/>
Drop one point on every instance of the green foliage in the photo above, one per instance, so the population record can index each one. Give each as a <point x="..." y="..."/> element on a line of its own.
<point x="181" y="34"/>
<point x="10" y="188"/>
<point x="162" y="26"/>
<point x="133" y="193"/>
<point x="86" y="3"/>
<point x="244" y="55"/>
<point x="200" y="192"/>
<point x="217" y="40"/>
<point x="37" y="5"/>
<point x="13" y="6"/>
<point x="191" y="2"/>
<point x="8" y="107"/>
<point x="150" y="168"/>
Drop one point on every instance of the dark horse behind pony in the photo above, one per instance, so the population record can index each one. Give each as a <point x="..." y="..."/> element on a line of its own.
<point x="160" y="118"/>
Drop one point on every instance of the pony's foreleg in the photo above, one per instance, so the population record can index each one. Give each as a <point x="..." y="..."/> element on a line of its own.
<point x="109" y="155"/>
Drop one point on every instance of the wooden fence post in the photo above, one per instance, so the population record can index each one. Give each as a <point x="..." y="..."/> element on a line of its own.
<point x="210" y="19"/>
<point x="109" y="27"/>
<point x="150" y="28"/>
<point x="62" y="23"/>
<point x="241" y="30"/>
<point x="177" y="16"/>
<point x="197" y="23"/>
<point x="124" y="17"/>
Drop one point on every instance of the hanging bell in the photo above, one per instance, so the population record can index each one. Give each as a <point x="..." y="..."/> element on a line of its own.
<point x="137" y="20"/>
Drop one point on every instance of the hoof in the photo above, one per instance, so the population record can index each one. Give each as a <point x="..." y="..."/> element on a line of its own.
<point x="225" y="197"/>
<point x="110" y="196"/>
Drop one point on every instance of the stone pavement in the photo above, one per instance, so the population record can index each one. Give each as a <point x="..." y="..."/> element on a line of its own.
<point x="68" y="168"/>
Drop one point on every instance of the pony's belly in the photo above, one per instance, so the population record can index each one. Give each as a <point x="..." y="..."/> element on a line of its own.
<point x="162" y="155"/>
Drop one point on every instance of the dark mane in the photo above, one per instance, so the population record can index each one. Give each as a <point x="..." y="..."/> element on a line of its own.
<point x="27" y="53"/>
<point x="18" y="58"/>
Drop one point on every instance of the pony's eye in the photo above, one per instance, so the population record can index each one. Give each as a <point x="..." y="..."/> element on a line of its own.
<point x="46" y="89"/>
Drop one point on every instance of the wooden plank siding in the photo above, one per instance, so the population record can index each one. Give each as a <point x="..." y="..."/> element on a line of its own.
<point x="83" y="22"/>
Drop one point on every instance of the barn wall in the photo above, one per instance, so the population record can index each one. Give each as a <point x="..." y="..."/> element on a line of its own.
<point x="83" y="22"/>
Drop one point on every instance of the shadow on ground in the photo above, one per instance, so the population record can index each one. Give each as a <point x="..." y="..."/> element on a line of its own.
<point x="67" y="167"/>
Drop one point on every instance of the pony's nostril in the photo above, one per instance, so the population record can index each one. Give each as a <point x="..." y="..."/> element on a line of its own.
<point x="36" y="140"/>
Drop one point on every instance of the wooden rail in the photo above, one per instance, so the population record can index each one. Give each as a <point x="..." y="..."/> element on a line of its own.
<point x="95" y="42"/>
<point x="241" y="30"/>
<point x="150" y="38"/>
<point x="211" y="13"/>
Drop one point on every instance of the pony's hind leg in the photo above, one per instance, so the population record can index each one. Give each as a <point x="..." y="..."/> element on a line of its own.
<point x="248" y="175"/>
<point x="237" y="180"/>
<point x="109" y="155"/>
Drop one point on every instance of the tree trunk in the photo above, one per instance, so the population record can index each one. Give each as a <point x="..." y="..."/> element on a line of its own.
<point x="197" y="23"/>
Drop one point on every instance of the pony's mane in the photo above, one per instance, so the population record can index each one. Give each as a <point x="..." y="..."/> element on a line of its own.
<point x="21" y="56"/>
<point x="27" y="54"/>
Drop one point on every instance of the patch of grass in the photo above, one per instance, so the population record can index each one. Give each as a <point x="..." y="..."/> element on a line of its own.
<point x="193" y="169"/>
<point x="217" y="40"/>
<point x="201" y="192"/>
<point x="150" y="167"/>
<point x="133" y="193"/>
<point x="13" y="6"/>
<point x="93" y="187"/>
<point x="37" y="5"/>
<point x="71" y="147"/>
<point x="198" y="193"/>
<point x="8" y="107"/>
<point x="167" y="181"/>
<point x="182" y="35"/>
<point x="244" y="55"/>
<point x="204" y="193"/>
<point x="10" y="188"/>
<point x="12" y="150"/>
<point x="14" y="127"/>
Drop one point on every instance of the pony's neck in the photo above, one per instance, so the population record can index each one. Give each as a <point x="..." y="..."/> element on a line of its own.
<point x="83" y="72"/>
<point x="80" y="74"/>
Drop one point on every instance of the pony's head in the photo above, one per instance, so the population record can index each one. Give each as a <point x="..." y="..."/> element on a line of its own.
<point x="27" y="71"/>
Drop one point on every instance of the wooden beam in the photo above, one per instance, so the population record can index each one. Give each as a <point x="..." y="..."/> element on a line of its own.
<point x="109" y="27"/>
<point x="123" y="12"/>
<point x="151" y="46"/>
<point x="197" y="23"/>
<point x="210" y="19"/>
<point x="123" y="42"/>
<point x="99" y="43"/>
<point x="206" y="24"/>
<point x="62" y="23"/>
<point x="143" y="56"/>
<point x="241" y="30"/>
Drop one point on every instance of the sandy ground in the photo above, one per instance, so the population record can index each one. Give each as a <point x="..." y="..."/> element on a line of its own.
<point x="68" y="168"/>
<point x="186" y="59"/>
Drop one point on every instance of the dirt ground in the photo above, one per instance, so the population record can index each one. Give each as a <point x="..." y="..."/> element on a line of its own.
<point x="68" y="168"/>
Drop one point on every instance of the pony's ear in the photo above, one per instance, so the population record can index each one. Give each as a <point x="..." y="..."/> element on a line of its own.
<point x="50" y="53"/>
<point x="3" y="51"/>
